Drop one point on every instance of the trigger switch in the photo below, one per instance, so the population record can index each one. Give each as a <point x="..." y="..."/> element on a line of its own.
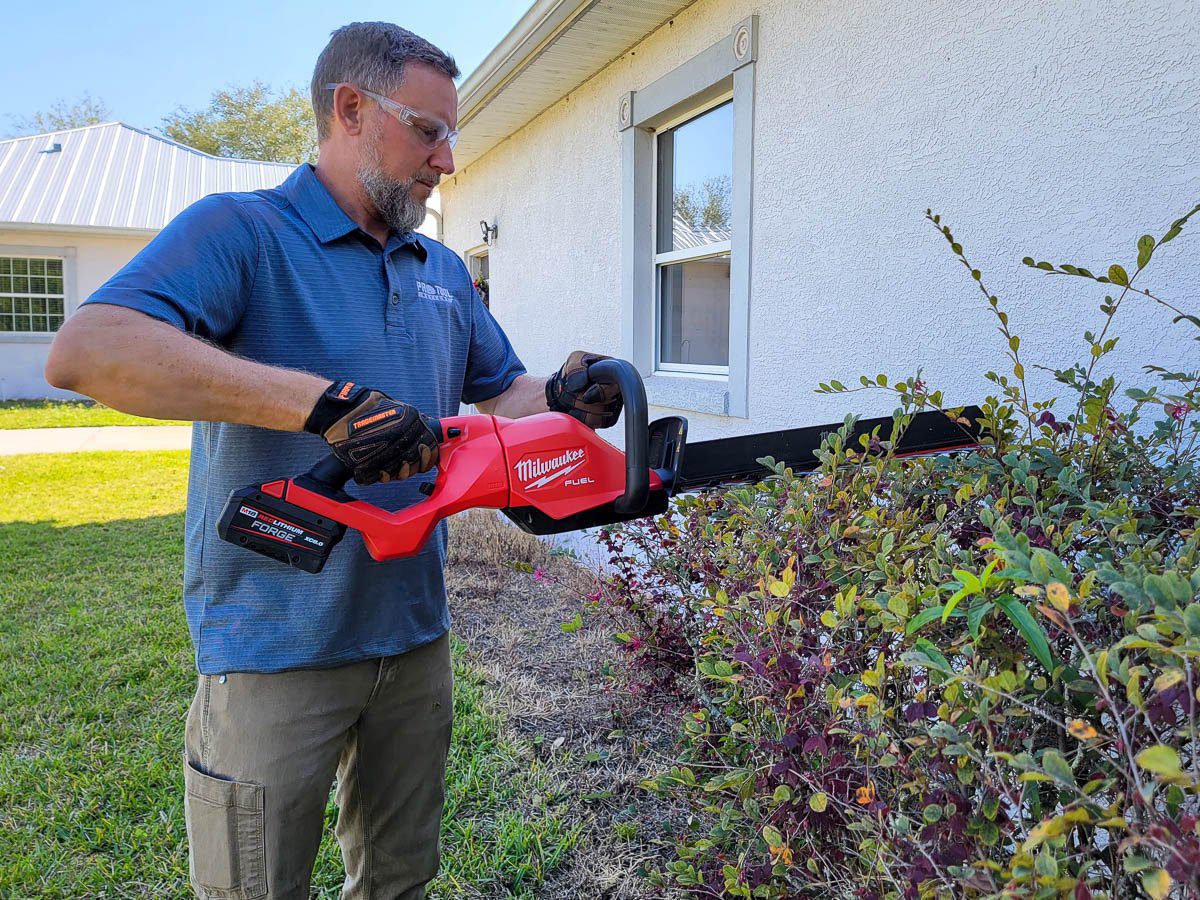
<point x="426" y="488"/>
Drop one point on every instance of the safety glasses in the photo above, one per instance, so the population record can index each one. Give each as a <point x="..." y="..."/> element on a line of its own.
<point x="431" y="132"/>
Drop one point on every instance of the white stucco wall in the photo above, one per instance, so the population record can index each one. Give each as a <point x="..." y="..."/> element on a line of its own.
<point x="1063" y="130"/>
<point x="96" y="258"/>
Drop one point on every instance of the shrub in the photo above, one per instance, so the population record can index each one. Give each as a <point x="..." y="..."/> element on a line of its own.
<point x="973" y="675"/>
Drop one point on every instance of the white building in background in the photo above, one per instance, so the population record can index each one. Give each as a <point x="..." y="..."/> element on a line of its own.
<point x="75" y="206"/>
<point x="731" y="193"/>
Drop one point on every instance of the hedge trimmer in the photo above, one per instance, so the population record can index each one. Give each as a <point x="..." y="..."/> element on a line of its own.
<point x="549" y="473"/>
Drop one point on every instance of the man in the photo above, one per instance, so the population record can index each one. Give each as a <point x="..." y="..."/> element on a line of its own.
<point x="314" y="307"/>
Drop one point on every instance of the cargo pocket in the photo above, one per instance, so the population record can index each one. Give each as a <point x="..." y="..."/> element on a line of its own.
<point x="225" y="836"/>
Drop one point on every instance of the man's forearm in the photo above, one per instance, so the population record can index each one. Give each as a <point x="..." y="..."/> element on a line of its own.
<point x="139" y="365"/>
<point x="526" y="396"/>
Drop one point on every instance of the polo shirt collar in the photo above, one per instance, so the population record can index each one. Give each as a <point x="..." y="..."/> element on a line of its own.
<point x="322" y="214"/>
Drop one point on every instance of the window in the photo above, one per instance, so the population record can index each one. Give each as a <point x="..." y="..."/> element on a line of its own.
<point x="695" y="186"/>
<point x="687" y="173"/>
<point x="477" y="265"/>
<point x="32" y="294"/>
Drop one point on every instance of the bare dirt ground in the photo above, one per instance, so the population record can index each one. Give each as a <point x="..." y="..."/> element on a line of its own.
<point x="509" y="597"/>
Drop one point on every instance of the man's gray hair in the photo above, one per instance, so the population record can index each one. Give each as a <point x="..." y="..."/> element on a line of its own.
<point x="371" y="55"/>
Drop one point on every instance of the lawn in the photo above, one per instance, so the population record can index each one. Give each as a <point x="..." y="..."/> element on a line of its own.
<point x="66" y="414"/>
<point x="97" y="674"/>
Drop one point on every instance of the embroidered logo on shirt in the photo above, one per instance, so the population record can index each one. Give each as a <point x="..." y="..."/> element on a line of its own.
<point x="434" y="292"/>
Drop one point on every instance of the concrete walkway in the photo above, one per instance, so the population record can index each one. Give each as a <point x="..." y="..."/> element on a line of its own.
<point x="107" y="437"/>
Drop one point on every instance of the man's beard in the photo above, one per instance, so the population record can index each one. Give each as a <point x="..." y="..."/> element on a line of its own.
<point x="393" y="199"/>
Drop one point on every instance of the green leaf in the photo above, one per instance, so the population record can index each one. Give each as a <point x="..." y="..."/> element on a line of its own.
<point x="1034" y="636"/>
<point x="933" y="654"/>
<point x="975" y="616"/>
<point x="574" y="625"/>
<point x="1157" y="884"/>
<point x="1145" y="250"/>
<point x="1161" y="760"/>
<point x="1178" y="224"/>
<point x="924" y="617"/>
<point x="772" y="836"/>
<point x="1135" y="864"/>
<point x="1045" y="864"/>
<point x="948" y="609"/>
<point x="1117" y="275"/>
<point x="969" y="582"/>
<point x="818" y="802"/>
<point x="1056" y="766"/>
<point x="1191" y="618"/>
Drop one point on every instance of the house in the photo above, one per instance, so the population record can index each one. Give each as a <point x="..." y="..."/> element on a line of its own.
<point x="732" y="194"/>
<point x="75" y="206"/>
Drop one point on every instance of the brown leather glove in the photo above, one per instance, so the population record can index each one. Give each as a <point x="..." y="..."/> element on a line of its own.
<point x="571" y="391"/>
<point x="379" y="438"/>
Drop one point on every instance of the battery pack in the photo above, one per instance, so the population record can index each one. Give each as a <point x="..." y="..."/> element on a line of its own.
<point x="259" y="520"/>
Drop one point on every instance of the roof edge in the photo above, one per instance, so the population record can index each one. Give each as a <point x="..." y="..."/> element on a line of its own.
<point x="76" y="229"/>
<point x="149" y="134"/>
<point x="544" y="20"/>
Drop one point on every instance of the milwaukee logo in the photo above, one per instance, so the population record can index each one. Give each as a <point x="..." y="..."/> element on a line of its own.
<point x="537" y="472"/>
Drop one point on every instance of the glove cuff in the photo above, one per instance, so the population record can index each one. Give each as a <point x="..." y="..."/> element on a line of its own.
<point x="552" y="402"/>
<point x="339" y="398"/>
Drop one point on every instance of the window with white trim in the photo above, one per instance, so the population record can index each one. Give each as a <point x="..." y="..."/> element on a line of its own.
<point x="687" y="165"/>
<point x="694" y="175"/>
<point x="477" y="265"/>
<point x="32" y="294"/>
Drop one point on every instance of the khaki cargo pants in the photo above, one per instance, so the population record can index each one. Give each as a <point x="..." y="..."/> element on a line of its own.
<point x="261" y="754"/>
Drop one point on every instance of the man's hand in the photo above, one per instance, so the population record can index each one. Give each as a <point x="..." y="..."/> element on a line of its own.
<point x="376" y="436"/>
<point x="571" y="390"/>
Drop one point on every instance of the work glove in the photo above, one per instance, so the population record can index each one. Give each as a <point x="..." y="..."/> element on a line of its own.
<point x="571" y="391"/>
<point x="379" y="438"/>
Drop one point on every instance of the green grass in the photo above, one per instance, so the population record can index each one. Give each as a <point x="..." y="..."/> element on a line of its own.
<point x="66" y="414"/>
<point x="96" y="677"/>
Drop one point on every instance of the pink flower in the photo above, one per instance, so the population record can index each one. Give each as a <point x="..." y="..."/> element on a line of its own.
<point x="1178" y="411"/>
<point x="539" y="575"/>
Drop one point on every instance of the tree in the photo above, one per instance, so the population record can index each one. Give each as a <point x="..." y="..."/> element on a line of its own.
<point x="706" y="205"/>
<point x="62" y="115"/>
<point x="249" y="123"/>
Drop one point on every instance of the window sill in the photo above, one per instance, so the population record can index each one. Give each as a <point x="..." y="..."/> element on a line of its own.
<point x="26" y="337"/>
<point x="694" y="394"/>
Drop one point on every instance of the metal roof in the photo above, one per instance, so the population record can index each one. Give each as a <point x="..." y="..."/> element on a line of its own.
<point x="115" y="177"/>
<point x="557" y="46"/>
<point x="689" y="236"/>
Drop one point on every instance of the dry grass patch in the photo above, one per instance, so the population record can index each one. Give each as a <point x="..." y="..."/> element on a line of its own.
<point x="510" y="596"/>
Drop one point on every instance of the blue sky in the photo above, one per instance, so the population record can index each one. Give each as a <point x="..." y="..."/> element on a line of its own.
<point x="145" y="59"/>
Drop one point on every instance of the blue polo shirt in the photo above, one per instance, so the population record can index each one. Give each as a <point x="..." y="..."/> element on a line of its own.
<point x="286" y="278"/>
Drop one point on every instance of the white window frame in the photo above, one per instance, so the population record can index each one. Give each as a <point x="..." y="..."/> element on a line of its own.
<point x="723" y="72"/>
<point x="67" y="255"/>
<point x="691" y="254"/>
<point x="472" y="259"/>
